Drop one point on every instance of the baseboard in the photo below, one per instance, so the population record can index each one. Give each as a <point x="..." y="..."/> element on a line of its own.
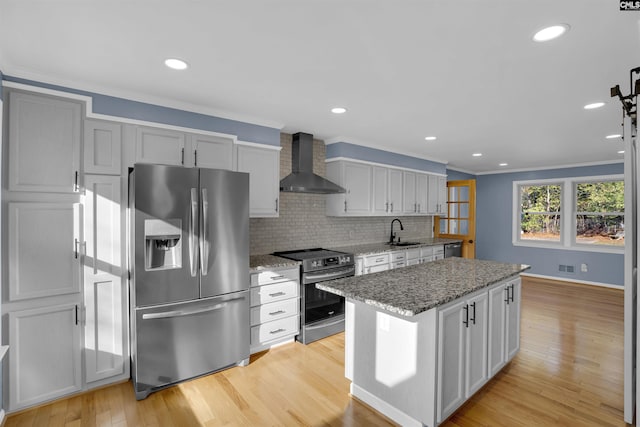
<point x="383" y="407"/>
<point x="1" y="417"/>
<point x="565" y="279"/>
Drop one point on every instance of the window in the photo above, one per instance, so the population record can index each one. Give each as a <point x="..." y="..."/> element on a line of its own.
<point x="585" y="213"/>
<point x="540" y="212"/>
<point x="600" y="213"/>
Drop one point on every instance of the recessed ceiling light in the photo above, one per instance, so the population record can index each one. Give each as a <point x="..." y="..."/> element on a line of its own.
<point x="338" y="110"/>
<point x="593" y="105"/>
<point x="621" y="152"/>
<point x="176" y="64"/>
<point x="550" y="33"/>
<point x="503" y="164"/>
<point x="614" y="136"/>
<point x="477" y="154"/>
<point x="429" y="138"/>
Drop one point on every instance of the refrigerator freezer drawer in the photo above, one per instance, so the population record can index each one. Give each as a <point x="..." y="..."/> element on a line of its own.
<point x="276" y="292"/>
<point x="275" y="310"/>
<point x="175" y="342"/>
<point x="269" y="331"/>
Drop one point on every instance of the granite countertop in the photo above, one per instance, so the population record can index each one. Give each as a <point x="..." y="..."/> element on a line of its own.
<point x="376" y="248"/>
<point x="265" y="262"/>
<point x="411" y="290"/>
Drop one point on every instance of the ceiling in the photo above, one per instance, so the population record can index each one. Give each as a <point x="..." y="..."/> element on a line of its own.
<point x="466" y="71"/>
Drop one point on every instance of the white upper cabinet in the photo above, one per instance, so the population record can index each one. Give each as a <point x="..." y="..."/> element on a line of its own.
<point x="410" y="205"/>
<point x="44" y="144"/>
<point x="437" y="195"/>
<point x="395" y="191"/>
<point x="45" y="249"/>
<point x="356" y="178"/>
<point x="263" y="167"/>
<point x="102" y="147"/>
<point x="159" y="146"/>
<point x="380" y="200"/>
<point x="211" y="152"/>
<point x="422" y="191"/>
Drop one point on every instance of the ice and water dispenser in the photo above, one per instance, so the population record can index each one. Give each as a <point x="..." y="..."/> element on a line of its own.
<point x="163" y="244"/>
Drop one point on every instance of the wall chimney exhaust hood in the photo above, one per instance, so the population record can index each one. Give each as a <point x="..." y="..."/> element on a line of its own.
<point x="302" y="179"/>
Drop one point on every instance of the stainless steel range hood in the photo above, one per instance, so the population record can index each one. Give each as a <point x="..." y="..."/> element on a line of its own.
<point x="302" y="179"/>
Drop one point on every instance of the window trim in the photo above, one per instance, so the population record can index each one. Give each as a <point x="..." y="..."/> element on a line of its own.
<point x="568" y="212"/>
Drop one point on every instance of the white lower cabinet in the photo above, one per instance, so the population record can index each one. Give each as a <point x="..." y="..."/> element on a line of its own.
<point x="44" y="354"/>
<point x="275" y="307"/>
<point x="504" y="324"/>
<point x="462" y="351"/>
<point x="376" y="263"/>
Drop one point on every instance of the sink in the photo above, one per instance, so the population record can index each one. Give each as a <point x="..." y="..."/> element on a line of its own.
<point x="404" y="244"/>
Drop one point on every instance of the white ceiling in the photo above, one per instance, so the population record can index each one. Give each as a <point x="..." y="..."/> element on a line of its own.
<point x="465" y="71"/>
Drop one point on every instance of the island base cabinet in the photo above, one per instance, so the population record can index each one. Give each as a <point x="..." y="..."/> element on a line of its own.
<point x="391" y="362"/>
<point x="504" y="324"/>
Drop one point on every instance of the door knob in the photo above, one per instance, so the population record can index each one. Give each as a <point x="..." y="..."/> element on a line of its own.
<point x="470" y="241"/>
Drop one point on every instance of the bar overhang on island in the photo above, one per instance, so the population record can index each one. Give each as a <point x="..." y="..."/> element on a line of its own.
<point x="419" y="341"/>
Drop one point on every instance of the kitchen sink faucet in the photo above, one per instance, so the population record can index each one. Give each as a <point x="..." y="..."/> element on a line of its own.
<point x="392" y="236"/>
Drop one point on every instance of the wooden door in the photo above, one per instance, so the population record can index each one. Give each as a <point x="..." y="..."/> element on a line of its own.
<point x="460" y="220"/>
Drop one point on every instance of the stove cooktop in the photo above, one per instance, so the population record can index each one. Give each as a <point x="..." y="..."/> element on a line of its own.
<point x="318" y="258"/>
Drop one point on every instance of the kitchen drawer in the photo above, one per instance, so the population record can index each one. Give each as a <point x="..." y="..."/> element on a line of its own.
<point x="414" y="261"/>
<point x="426" y="259"/>
<point x="376" y="268"/>
<point x="274" y="311"/>
<point x="272" y="293"/>
<point x="398" y="256"/>
<point x="438" y="250"/>
<point x="413" y="253"/>
<point x="373" y="260"/>
<point x="398" y="264"/>
<point x="426" y="251"/>
<point x="274" y="276"/>
<point x="273" y="330"/>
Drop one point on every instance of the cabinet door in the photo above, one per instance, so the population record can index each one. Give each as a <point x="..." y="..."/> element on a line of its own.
<point x="357" y="181"/>
<point x="442" y="195"/>
<point x="159" y="146"/>
<point x="513" y="319"/>
<point x="263" y="167"/>
<point x="212" y="152"/>
<point x="476" y="344"/>
<point x="105" y="323"/>
<point x="102" y="147"/>
<point x="433" y="200"/>
<point x="380" y="190"/>
<point x="44" y="351"/>
<point x="497" y="328"/>
<point x="44" y="249"/>
<point x="451" y="359"/>
<point x="422" y="189"/>
<point x="409" y="206"/>
<point x="44" y="144"/>
<point x="395" y="191"/>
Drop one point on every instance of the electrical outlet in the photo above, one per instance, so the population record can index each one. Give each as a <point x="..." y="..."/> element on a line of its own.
<point x="584" y="268"/>
<point x="570" y="269"/>
<point x="562" y="267"/>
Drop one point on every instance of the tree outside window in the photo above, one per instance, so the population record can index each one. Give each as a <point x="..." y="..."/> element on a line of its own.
<point x="540" y="212"/>
<point x="600" y="213"/>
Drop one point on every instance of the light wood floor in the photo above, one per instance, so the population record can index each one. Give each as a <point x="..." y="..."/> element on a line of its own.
<point x="569" y="372"/>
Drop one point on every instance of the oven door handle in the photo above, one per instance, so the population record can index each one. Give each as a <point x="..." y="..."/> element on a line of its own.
<point x="314" y="278"/>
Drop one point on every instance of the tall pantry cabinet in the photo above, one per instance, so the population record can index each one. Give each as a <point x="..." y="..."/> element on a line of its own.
<point x="62" y="262"/>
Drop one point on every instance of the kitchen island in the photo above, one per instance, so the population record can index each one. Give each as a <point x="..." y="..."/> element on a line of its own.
<point x="420" y="340"/>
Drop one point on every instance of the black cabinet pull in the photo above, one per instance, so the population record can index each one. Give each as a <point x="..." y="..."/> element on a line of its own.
<point x="195" y="157"/>
<point x="76" y="314"/>
<point x="507" y="289"/>
<point x="276" y="205"/>
<point x="182" y="157"/>
<point x="473" y="319"/>
<point x="466" y="315"/>
<point x="512" y="291"/>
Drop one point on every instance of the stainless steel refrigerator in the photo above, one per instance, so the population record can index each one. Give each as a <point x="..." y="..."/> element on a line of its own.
<point x="189" y="273"/>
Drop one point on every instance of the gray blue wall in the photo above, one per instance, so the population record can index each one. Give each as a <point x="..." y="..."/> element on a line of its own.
<point x="494" y="215"/>
<point x="119" y="107"/>
<point x="352" y="151"/>
<point x="454" y="175"/>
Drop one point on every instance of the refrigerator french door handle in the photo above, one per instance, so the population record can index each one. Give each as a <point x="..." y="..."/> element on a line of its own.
<point x="180" y="313"/>
<point x="204" y="237"/>
<point x="193" y="243"/>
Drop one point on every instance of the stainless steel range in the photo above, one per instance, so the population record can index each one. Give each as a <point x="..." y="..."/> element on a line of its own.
<point x="321" y="313"/>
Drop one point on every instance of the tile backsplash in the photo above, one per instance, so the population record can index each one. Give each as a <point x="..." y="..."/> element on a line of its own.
<point x="303" y="222"/>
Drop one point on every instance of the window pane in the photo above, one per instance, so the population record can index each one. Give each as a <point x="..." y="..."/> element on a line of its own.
<point x="464" y="194"/>
<point x="540" y="198"/>
<point x="443" y="226"/>
<point x="600" y="197"/>
<point x="600" y="230"/>
<point x="542" y="226"/>
<point x="453" y="210"/>
<point x="464" y="226"/>
<point x="453" y="194"/>
<point x="453" y="226"/>
<point x="464" y="210"/>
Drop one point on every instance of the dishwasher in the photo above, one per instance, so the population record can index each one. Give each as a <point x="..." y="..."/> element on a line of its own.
<point x="453" y="249"/>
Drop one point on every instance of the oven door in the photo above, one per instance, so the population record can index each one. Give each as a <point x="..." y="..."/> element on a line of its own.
<point x="322" y="312"/>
